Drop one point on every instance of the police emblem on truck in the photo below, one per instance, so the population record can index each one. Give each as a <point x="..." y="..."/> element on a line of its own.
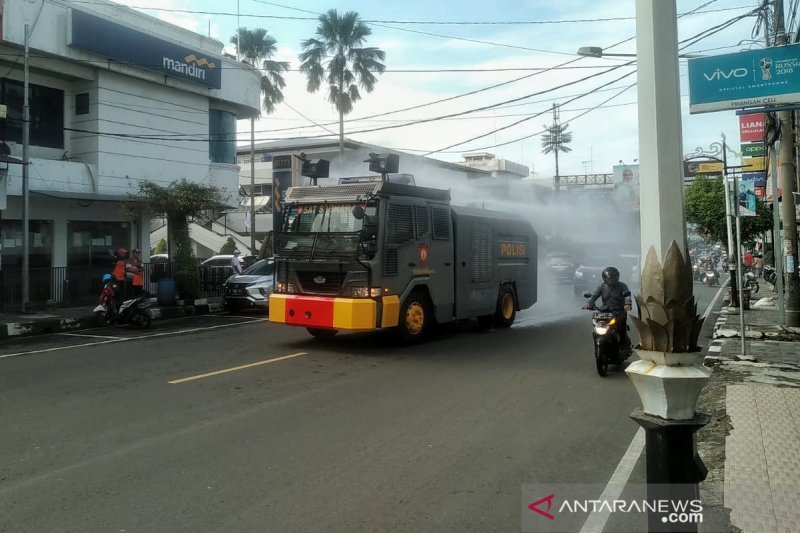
<point x="513" y="249"/>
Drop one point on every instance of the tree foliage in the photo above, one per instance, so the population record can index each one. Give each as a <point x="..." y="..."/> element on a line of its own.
<point x="179" y="202"/>
<point x="705" y="206"/>
<point x="161" y="247"/>
<point x="256" y="48"/>
<point x="228" y="247"/>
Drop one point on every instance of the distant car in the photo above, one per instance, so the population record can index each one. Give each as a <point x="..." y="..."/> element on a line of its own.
<point x="215" y="270"/>
<point x="561" y="266"/>
<point x="251" y="288"/>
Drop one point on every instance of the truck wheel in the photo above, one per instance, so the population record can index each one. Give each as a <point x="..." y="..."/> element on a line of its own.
<point x="415" y="318"/>
<point x="506" y="308"/>
<point x="321" y="333"/>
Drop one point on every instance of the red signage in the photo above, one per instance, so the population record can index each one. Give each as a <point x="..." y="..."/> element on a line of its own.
<point x="751" y="127"/>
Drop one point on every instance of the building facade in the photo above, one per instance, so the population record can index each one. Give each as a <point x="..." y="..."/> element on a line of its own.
<point x="117" y="97"/>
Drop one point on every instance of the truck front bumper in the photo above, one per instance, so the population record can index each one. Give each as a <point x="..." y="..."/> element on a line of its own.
<point x="349" y="314"/>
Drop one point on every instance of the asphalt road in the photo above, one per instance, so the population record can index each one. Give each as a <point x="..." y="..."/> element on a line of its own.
<point x="124" y="430"/>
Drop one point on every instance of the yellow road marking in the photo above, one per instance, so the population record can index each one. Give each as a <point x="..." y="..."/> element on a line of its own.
<point x="234" y="369"/>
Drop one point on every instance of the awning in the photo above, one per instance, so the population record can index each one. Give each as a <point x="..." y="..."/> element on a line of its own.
<point x="87" y="196"/>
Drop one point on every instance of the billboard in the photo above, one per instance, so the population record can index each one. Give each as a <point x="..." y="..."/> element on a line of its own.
<point x="751" y="127"/>
<point x="754" y="150"/>
<point x="753" y="78"/>
<point x="693" y="167"/>
<point x="626" y="186"/>
<point x="116" y="41"/>
<point x="746" y="195"/>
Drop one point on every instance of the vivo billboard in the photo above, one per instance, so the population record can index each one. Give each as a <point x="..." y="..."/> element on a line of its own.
<point x="753" y="78"/>
<point x="122" y="43"/>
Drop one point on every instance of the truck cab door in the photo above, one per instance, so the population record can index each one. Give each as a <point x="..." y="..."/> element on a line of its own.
<point x="439" y="261"/>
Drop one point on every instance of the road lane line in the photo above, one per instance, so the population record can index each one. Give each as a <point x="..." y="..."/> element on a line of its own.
<point x="126" y="339"/>
<point x="90" y="336"/>
<point x="596" y="522"/>
<point x="236" y="368"/>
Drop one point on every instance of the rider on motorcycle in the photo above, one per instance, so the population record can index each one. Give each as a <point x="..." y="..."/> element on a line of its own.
<point x="613" y="292"/>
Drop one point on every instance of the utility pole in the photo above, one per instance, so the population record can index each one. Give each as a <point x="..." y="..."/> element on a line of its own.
<point x="553" y="132"/>
<point x="253" y="185"/>
<point x="26" y="215"/>
<point x="787" y="182"/>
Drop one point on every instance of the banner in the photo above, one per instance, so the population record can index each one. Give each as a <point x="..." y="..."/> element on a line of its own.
<point x="281" y="181"/>
<point x="626" y="186"/>
<point x="694" y="167"/>
<point x="754" y="150"/>
<point x="751" y="127"/>
<point x="747" y="196"/>
<point x="754" y="164"/>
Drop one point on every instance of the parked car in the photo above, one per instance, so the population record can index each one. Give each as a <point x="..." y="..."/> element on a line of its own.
<point x="561" y="266"/>
<point x="251" y="288"/>
<point x="215" y="270"/>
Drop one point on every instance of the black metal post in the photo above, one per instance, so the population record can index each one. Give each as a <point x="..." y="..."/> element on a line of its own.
<point x="674" y="469"/>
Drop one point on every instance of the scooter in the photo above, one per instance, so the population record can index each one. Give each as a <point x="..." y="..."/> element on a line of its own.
<point x="711" y="278"/>
<point x="135" y="312"/>
<point x="769" y="274"/>
<point x="751" y="281"/>
<point x="608" y="346"/>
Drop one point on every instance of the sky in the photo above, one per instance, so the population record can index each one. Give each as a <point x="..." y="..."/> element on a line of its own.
<point x="601" y="137"/>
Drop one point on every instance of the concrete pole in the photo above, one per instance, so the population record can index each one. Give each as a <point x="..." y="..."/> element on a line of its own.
<point x="777" y="240"/>
<point x="26" y="199"/>
<point x="660" y="141"/>
<point x="787" y="181"/>
<point x="253" y="186"/>
<point x="729" y="224"/>
<point x="739" y="264"/>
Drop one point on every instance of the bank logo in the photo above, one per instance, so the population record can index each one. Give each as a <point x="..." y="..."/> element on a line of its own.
<point x="191" y="66"/>
<point x="766" y="66"/>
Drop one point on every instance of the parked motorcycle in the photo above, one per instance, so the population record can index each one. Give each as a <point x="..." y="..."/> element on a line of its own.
<point x="711" y="278"/>
<point x="135" y="311"/>
<point x="769" y="274"/>
<point x="751" y="282"/>
<point x="608" y="345"/>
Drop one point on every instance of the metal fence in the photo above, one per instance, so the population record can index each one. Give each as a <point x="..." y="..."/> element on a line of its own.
<point x="78" y="286"/>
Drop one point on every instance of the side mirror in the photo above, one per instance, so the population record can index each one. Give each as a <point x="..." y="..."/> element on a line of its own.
<point x="589" y="294"/>
<point x="358" y="212"/>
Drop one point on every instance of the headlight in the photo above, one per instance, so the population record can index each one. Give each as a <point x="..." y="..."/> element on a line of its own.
<point x="285" y="288"/>
<point x="365" y="292"/>
<point x="578" y="274"/>
<point x="601" y="330"/>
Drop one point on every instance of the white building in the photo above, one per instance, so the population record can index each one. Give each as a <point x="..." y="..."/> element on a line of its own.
<point x="116" y="97"/>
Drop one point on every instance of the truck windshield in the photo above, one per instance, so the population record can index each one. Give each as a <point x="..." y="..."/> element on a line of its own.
<point x="320" y="231"/>
<point x="326" y="218"/>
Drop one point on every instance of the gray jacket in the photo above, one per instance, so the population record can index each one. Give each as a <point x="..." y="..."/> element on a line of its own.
<point x="613" y="295"/>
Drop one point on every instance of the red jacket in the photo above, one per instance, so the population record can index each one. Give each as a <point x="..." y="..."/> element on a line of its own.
<point x="107" y="295"/>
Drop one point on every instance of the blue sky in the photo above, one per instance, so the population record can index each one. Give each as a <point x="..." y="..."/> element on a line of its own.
<point x="601" y="138"/>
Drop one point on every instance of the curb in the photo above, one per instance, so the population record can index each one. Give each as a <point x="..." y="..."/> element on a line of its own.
<point x="57" y="324"/>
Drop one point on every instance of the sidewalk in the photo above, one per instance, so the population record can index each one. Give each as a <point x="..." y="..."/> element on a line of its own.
<point x="72" y="318"/>
<point x="758" y="408"/>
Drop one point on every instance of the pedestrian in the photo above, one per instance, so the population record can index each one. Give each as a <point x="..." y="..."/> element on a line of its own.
<point x="236" y="266"/>
<point x="758" y="264"/>
<point x="748" y="259"/>
<point x="134" y="274"/>
<point x="119" y="274"/>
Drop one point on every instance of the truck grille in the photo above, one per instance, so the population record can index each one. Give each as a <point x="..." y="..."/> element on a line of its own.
<point x="321" y="282"/>
<point x="390" y="262"/>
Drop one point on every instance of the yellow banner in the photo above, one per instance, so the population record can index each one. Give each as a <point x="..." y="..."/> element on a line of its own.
<point x="709" y="168"/>
<point x="754" y="164"/>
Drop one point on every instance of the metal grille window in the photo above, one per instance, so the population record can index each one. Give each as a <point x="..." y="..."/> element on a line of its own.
<point x="390" y="264"/>
<point x="400" y="224"/>
<point x="482" y="253"/>
<point x="441" y="222"/>
<point x="422" y="220"/>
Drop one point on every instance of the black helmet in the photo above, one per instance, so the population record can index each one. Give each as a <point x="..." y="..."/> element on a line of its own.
<point x="610" y="274"/>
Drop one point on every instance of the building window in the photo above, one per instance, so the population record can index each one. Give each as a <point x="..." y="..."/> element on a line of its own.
<point x="221" y="136"/>
<point x="82" y="104"/>
<point x="41" y="243"/>
<point x="47" y="114"/>
<point x="92" y="243"/>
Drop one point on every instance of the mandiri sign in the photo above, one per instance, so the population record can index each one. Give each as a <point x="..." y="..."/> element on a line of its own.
<point x="746" y="79"/>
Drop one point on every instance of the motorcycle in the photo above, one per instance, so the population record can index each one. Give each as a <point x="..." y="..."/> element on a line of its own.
<point x="135" y="311"/>
<point x="769" y="274"/>
<point x="751" y="282"/>
<point x="608" y="346"/>
<point x="697" y="273"/>
<point x="711" y="278"/>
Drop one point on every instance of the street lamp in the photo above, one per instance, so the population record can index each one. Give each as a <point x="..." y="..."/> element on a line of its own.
<point x="596" y="51"/>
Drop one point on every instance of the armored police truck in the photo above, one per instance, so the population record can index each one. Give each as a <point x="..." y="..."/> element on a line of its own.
<point x="369" y="255"/>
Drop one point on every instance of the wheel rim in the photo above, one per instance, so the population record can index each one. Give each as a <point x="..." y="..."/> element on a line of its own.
<point x="415" y="318"/>
<point x="508" y="306"/>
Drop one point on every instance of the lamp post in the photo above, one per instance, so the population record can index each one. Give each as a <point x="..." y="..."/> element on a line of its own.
<point x="669" y="375"/>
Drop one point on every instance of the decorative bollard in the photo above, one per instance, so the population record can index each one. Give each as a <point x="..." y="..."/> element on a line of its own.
<point x="668" y="378"/>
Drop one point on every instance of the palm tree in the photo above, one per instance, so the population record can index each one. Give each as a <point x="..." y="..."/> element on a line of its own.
<point x="337" y="56"/>
<point x="555" y="139"/>
<point x="256" y="47"/>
